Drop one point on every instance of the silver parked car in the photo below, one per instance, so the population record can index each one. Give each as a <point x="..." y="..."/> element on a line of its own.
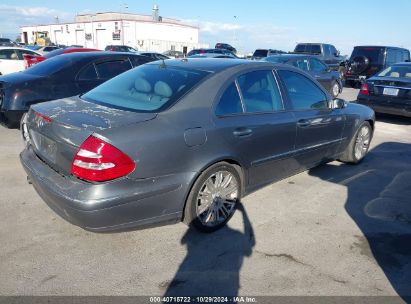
<point x="184" y="140"/>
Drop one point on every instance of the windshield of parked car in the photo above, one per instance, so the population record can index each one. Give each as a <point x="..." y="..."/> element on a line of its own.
<point x="396" y="71"/>
<point x="374" y="54"/>
<point x="50" y="66"/>
<point x="148" y="88"/>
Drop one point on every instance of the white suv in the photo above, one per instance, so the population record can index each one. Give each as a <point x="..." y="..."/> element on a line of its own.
<point x="11" y="59"/>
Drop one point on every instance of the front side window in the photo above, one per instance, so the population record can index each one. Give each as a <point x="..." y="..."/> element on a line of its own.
<point x="147" y="88"/>
<point x="260" y="92"/>
<point x="230" y="102"/>
<point x="304" y="94"/>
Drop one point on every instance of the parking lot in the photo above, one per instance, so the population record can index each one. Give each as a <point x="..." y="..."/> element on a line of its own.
<point x="334" y="230"/>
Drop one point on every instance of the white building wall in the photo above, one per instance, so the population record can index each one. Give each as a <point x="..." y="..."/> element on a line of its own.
<point x="143" y="35"/>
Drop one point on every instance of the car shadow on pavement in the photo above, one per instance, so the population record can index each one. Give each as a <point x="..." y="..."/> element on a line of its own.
<point x="213" y="261"/>
<point x="379" y="201"/>
<point x="392" y="119"/>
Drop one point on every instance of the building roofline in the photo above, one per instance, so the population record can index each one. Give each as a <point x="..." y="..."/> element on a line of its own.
<point x="111" y="20"/>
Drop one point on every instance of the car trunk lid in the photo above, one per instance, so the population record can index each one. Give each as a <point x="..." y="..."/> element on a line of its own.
<point x="57" y="129"/>
<point x="392" y="88"/>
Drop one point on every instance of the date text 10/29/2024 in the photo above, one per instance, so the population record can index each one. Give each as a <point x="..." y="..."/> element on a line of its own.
<point x="205" y="299"/>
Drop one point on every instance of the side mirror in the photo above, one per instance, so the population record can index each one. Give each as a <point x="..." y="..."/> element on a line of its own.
<point x="337" y="53"/>
<point x="337" y="103"/>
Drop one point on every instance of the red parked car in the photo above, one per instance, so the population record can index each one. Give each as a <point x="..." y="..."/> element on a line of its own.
<point x="31" y="59"/>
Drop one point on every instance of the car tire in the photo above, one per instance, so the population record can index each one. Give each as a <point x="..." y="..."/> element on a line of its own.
<point x="9" y="120"/>
<point x="335" y="89"/>
<point x="213" y="198"/>
<point x="359" y="144"/>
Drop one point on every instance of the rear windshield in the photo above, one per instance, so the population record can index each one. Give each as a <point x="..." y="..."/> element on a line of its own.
<point x="374" y="54"/>
<point x="396" y="71"/>
<point x="308" y="48"/>
<point x="260" y="53"/>
<point x="148" y="88"/>
<point x="50" y="66"/>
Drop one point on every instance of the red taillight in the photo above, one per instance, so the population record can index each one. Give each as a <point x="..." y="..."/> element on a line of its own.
<point x="99" y="161"/>
<point x="365" y="89"/>
<point x="30" y="60"/>
<point x="43" y="117"/>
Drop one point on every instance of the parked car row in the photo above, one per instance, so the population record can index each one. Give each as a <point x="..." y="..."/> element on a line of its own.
<point x="329" y="78"/>
<point x="60" y="76"/>
<point x="366" y="61"/>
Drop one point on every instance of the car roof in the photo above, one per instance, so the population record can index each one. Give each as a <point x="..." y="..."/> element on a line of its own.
<point x="402" y="64"/>
<point x="13" y="48"/>
<point x="379" y="46"/>
<point x="292" y="55"/>
<point x="213" y="65"/>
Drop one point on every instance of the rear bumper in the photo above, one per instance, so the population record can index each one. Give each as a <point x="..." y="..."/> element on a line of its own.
<point x="118" y="205"/>
<point x="381" y="104"/>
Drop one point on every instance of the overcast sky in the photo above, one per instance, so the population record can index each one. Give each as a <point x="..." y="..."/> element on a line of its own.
<point x="245" y="24"/>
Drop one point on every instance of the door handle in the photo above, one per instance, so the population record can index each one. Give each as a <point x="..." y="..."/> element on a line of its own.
<point x="303" y="123"/>
<point x="242" y="132"/>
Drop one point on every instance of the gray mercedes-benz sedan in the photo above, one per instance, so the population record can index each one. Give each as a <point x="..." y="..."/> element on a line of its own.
<point x="184" y="140"/>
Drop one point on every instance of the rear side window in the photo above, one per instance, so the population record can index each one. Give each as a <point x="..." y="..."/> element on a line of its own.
<point x="333" y="50"/>
<point x="300" y="48"/>
<point x="327" y="50"/>
<point x="260" y="92"/>
<point x="304" y="94"/>
<point x="8" y="55"/>
<point x="230" y="102"/>
<point x="147" y="88"/>
<point x="109" y="69"/>
<point x="21" y="53"/>
<point x="89" y="73"/>
<point x="317" y="66"/>
<point x="260" y="53"/>
<point x="301" y="64"/>
<point x="406" y="55"/>
<point x="139" y="60"/>
<point x="314" y="49"/>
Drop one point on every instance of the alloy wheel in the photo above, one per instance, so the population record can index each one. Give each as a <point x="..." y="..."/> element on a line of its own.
<point x="217" y="198"/>
<point x="362" y="142"/>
